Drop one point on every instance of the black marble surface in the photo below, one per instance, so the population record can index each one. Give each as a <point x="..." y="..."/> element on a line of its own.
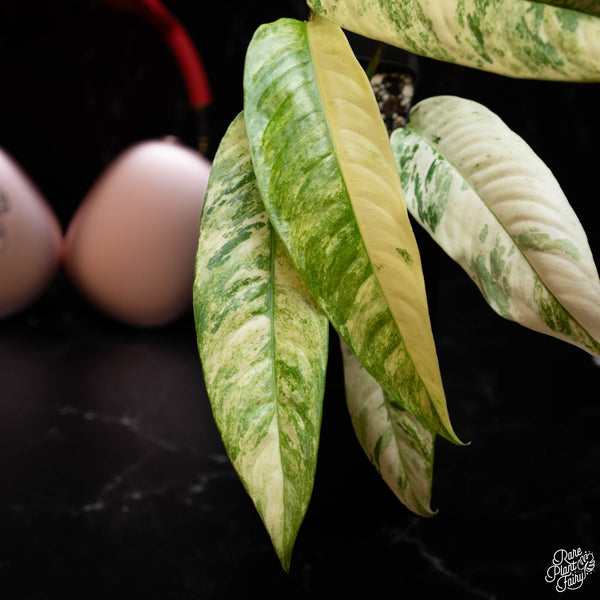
<point x="113" y="479"/>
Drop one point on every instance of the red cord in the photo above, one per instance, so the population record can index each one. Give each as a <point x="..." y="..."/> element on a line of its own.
<point x="178" y="41"/>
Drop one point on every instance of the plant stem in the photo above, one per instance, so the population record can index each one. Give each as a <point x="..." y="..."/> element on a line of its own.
<point x="374" y="63"/>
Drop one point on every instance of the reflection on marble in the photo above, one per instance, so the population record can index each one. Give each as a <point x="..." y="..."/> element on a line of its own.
<point x="114" y="482"/>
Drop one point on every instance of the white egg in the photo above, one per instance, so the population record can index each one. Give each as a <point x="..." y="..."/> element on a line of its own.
<point x="30" y="239"/>
<point x="131" y="245"/>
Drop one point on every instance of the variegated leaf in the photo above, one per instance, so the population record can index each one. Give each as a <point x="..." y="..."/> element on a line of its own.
<point x="517" y="38"/>
<point x="324" y="166"/>
<point x="262" y="343"/>
<point x="400" y="448"/>
<point x="496" y="209"/>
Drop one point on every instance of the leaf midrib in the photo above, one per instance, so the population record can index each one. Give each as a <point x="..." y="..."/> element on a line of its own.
<point x="272" y="311"/>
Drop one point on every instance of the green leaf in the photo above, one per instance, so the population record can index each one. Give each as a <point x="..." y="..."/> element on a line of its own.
<point x="263" y="345"/>
<point x="497" y="210"/>
<point x="400" y="448"/>
<point x="327" y="175"/>
<point x="517" y="38"/>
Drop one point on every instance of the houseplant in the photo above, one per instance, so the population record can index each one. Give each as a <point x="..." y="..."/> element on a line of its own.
<point x="305" y="225"/>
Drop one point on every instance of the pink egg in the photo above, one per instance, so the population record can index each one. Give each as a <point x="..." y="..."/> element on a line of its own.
<point x="30" y="239"/>
<point x="131" y="245"/>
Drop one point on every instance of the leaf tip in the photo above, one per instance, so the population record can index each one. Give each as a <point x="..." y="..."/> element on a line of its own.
<point x="445" y="428"/>
<point x="283" y="534"/>
<point x="428" y="512"/>
<point x="284" y="553"/>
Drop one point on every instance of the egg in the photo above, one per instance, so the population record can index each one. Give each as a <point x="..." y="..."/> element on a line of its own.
<point x="131" y="245"/>
<point x="30" y="239"/>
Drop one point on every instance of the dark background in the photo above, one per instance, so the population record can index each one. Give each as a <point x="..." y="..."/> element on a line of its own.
<point x="113" y="480"/>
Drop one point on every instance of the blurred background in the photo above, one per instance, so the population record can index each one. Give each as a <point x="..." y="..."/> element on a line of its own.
<point x="113" y="480"/>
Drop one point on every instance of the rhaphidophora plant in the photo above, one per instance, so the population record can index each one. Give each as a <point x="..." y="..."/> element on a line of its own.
<point x="306" y="224"/>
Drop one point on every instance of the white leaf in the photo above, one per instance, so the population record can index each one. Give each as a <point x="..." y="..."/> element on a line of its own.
<point x="496" y="209"/>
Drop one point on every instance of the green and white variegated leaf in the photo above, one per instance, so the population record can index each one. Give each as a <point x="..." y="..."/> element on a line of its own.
<point x="327" y="175"/>
<point x="517" y="38"/>
<point x="496" y="209"/>
<point x="263" y="345"/>
<point x="400" y="448"/>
